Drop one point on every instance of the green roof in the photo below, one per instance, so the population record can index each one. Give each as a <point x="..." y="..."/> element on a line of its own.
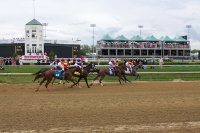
<point x="152" y="39"/>
<point x="34" y="22"/>
<point x="137" y="38"/>
<point x="167" y="39"/>
<point x="121" y="38"/>
<point x="107" y="37"/>
<point x="180" y="39"/>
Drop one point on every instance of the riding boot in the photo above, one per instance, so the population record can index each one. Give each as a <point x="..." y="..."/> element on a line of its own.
<point x="114" y="71"/>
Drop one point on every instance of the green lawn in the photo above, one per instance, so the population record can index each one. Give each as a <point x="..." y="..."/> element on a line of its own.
<point x="143" y="77"/>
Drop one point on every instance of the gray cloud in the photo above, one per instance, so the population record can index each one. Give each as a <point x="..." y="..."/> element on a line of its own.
<point x="72" y="18"/>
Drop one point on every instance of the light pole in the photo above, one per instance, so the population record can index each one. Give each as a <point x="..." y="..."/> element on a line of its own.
<point x="140" y="27"/>
<point x="93" y="26"/>
<point x="188" y="27"/>
<point x="45" y="25"/>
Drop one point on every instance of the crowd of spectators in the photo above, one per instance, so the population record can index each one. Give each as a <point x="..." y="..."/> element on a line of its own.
<point x="118" y="44"/>
<point x="9" y="61"/>
<point x="175" y="45"/>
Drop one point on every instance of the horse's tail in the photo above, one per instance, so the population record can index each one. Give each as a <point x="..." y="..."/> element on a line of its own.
<point x="37" y="73"/>
<point x="41" y="71"/>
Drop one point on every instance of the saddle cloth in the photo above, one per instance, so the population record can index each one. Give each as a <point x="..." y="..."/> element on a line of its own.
<point x="111" y="71"/>
<point x="58" y="74"/>
<point x="77" y="73"/>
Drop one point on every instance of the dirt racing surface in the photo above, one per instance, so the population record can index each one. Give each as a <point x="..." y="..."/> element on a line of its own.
<point x="137" y="107"/>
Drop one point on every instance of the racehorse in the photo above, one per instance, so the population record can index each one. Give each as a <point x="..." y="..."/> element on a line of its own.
<point x="49" y="74"/>
<point x="133" y="71"/>
<point x="119" y="72"/>
<point x="84" y="74"/>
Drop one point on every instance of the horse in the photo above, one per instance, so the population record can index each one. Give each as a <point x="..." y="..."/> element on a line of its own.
<point x="84" y="74"/>
<point x="39" y="74"/>
<point x="119" y="71"/>
<point x="49" y="74"/>
<point x="133" y="71"/>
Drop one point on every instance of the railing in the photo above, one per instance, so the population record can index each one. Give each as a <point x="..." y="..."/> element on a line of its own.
<point x="26" y="74"/>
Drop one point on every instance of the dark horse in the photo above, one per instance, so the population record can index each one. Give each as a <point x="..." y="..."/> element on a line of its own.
<point x="84" y="74"/>
<point x="133" y="71"/>
<point x="50" y="74"/>
<point x="119" y="72"/>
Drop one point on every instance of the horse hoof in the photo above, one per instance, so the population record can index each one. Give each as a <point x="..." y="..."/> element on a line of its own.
<point x="36" y="90"/>
<point x="101" y="84"/>
<point x="79" y="87"/>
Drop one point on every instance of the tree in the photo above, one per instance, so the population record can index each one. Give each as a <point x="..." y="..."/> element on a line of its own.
<point x="51" y="55"/>
<point x="195" y="51"/>
<point x="85" y="49"/>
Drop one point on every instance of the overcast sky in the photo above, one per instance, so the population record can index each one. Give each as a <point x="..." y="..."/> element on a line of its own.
<point x="69" y="19"/>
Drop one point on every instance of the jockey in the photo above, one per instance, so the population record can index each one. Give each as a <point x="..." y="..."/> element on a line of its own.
<point x="79" y="63"/>
<point x="112" y="64"/>
<point x="63" y="67"/>
<point x="54" y="65"/>
<point x="129" y="65"/>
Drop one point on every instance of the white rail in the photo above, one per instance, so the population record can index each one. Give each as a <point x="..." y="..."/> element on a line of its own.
<point x="96" y="65"/>
<point x="25" y="74"/>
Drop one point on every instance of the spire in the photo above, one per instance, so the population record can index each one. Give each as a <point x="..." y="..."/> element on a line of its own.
<point x="34" y="9"/>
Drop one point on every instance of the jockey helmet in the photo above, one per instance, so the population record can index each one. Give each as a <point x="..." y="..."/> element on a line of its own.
<point x="62" y="60"/>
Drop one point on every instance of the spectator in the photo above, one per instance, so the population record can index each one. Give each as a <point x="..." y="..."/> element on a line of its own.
<point x="161" y="62"/>
<point x="145" y="63"/>
<point x="152" y="62"/>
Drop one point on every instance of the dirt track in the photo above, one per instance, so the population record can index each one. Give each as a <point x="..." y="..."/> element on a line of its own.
<point x="151" y="106"/>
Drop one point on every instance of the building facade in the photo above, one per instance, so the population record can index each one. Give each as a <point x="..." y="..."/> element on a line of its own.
<point x="34" y="44"/>
<point x="137" y="47"/>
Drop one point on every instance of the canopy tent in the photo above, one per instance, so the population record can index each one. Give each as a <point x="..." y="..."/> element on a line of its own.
<point x="137" y="38"/>
<point x="167" y="39"/>
<point x="180" y="39"/>
<point x="107" y="37"/>
<point x="121" y="38"/>
<point x="152" y="39"/>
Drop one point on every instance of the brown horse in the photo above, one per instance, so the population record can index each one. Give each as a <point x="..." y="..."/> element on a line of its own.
<point x="84" y="74"/>
<point x="39" y="74"/>
<point x="119" y="72"/>
<point x="49" y="74"/>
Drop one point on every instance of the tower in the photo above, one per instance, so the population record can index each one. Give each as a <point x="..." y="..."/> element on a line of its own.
<point x="34" y="42"/>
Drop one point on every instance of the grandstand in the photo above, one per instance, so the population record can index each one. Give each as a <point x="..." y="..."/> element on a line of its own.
<point x="137" y="47"/>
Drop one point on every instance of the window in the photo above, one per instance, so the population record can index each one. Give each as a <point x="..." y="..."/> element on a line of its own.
<point x="34" y="48"/>
<point x="27" y="47"/>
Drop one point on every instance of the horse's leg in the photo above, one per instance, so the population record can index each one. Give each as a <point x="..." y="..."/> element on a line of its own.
<point x="120" y="78"/>
<point x="37" y="77"/>
<point x="53" y="80"/>
<point x="86" y="82"/>
<point x="40" y="84"/>
<point x="77" y="82"/>
<point x="48" y="81"/>
<point x="126" y="78"/>
<point x="137" y="76"/>
<point x="94" y="80"/>
<point x="102" y="77"/>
